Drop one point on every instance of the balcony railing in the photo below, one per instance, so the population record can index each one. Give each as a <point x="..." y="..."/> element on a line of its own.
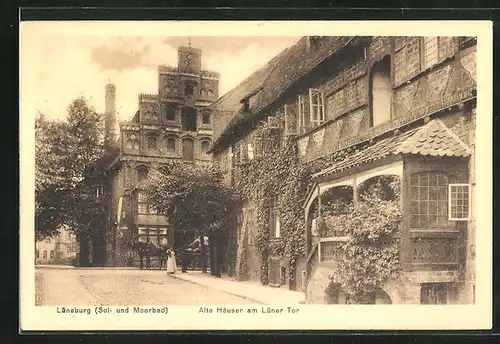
<point x="325" y="250"/>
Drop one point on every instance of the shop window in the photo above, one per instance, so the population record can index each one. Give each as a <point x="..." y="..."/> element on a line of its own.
<point x="206" y="118"/>
<point x="459" y="202"/>
<point x="152" y="142"/>
<point x="171" y="144"/>
<point x="434" y="293"/>
<point x="142" y="174"/>
<point x="380" y="92"/>
<point x="429" y="201"/>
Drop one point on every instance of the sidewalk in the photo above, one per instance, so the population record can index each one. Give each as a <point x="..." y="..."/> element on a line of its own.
<point x="249" y="290"/>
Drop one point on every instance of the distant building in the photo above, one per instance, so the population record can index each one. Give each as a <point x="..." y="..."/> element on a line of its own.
<point x="59" y="249"/>
<point x="169" y="126"/>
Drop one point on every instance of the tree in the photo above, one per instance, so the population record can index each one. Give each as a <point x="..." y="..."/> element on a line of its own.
<point x="68" y="169"/>
<point x="193" y="197"/>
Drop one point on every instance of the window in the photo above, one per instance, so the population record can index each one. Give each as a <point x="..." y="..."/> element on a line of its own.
<point x="142" y="174"/>
<point x="171" y="144"/>
<point x="206" y="118"/>
<point x="142" y="203"/>
<point x="275" y="219"/>
<point x="459" y="202"/>
<point x="188" y="119"/>
<point x="188" y="149"/>
<point x="52" y="254"/>
<point x="380" y="92"/>
<point x="204" y="147"/>
<point x="37" y="253"/>
<point x="415" y="54"/>
<point x="157" y="236"/>
<point x="429" y="201"/>
<point x="434" y="293"/>
<point x="250" y="151"/>
<point x="171" y="113"/>
<point x="152" y="142"/>
<point x="316" y="107"/>
<point x="189" y="90"/>
<point x="44" y="254"/>
<point x="430" y="51"/>
<point x="99" y="191"/>
<point x="68" y="249"/>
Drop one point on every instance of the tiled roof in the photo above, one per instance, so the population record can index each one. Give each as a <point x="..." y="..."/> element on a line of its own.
<point x="276" y="77"/>
<point x="431" y="139"/>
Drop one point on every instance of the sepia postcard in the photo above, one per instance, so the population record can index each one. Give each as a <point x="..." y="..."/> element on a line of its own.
<point x="218" y="175"/>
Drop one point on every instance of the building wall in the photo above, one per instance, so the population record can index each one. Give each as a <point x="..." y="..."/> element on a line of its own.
<point x="417" y="92"/>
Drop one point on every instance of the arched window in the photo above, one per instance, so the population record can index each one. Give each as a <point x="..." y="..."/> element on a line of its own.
<point x="171" y="144"/>
<point x="152" y="142"/>
<point x="204" y="147"/>
<point x="189" y="90"/>
<point x="188" y="149"/>
<point x="380" y="91"/>
<point x="429" y="201"/>
<point x="142" y="174"/>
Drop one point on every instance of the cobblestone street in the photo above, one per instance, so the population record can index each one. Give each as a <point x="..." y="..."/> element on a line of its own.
<point x="119" y="287"/>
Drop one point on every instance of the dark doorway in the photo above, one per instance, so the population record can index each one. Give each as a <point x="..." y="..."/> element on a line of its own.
<point x="188" y="119"/>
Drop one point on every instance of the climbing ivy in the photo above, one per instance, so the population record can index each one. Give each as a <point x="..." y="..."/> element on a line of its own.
<point x="275" y="171"/>
<point x="371" y="256"/>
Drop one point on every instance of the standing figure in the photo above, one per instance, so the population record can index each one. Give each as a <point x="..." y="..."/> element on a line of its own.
<point x="171" y="263"/>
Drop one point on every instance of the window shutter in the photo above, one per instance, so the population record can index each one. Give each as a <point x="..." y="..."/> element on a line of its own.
<point x="291" y="120"/>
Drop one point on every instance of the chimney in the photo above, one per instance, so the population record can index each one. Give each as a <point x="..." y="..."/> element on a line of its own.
<point x="110" y="117"/>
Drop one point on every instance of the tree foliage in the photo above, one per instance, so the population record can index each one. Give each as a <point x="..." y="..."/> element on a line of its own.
<point x="67" y="156"/>
<point x="192" y="197"/>
<point x="371" y="255"/>
<point x="276" y="178"/>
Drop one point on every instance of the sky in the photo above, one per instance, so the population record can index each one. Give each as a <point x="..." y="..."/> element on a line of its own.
<point x="56" y="68"/>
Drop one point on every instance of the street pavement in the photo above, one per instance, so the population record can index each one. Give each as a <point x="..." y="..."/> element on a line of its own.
<point x="121" y="287"/>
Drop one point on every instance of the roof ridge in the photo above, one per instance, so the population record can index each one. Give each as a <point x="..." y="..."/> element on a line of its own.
<point x="455" y="136"/>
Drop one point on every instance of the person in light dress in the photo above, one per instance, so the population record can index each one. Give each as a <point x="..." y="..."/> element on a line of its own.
<point x="171" y="263"/>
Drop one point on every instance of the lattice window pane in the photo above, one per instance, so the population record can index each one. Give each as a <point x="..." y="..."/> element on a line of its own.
<point x="428" y="200"/>
<point x="142" y="208"/>
<point x="459" y="202"/>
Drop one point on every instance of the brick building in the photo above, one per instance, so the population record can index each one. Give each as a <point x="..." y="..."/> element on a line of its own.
<point x="372" y="107"/>
<point x="169" y="126"/>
